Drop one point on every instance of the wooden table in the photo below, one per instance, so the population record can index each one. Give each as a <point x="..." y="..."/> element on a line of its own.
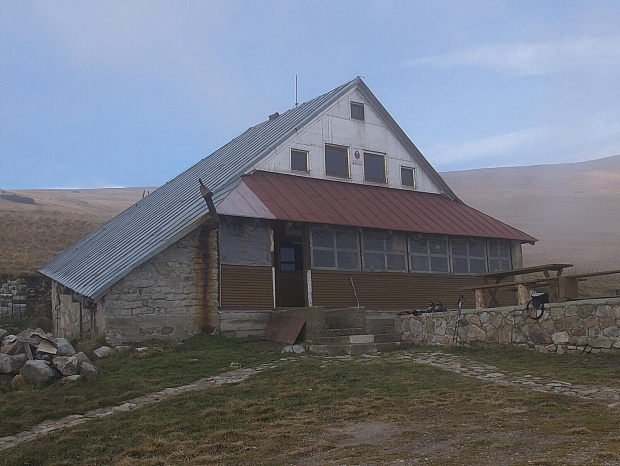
<point x="493" y="282"/>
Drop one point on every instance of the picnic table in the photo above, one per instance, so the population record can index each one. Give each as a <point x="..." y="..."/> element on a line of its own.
<point x="494" y="281"/>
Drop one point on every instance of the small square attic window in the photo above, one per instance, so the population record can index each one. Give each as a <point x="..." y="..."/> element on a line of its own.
<point x="357" y="111"/>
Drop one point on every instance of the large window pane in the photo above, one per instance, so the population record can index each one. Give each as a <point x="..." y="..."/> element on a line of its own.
<point x="384" y="250"/>
<point x="245" y="241"/>
<point x="336" y="161"/>
<point x="374" y="167"/>
<point x="334" y="248"/>
<point x="428" y="254"/>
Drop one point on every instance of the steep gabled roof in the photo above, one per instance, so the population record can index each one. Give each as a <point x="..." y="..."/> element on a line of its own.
<point x="103" y="257"/>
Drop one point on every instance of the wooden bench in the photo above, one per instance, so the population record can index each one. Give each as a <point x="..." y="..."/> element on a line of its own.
<point x="568" y="285"/>
<point x="521" y="287"/>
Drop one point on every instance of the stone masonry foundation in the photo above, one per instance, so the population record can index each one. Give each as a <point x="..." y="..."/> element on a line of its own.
<point x="572" y="327"/>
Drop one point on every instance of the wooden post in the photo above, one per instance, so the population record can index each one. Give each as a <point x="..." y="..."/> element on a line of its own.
<point x="479" y="298"/>
<point x="568" y="289"/>
<point x="523" y="293"/>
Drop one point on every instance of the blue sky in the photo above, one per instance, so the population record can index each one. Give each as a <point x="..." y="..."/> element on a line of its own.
<point x="131" y="93"/>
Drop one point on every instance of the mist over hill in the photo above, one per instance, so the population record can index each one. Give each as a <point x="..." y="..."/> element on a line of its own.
<point x="573" y="209"/>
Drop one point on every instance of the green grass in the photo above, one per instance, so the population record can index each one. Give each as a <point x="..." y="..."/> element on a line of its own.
<point x="126" y="375"/>
<point x="298" y="413"/>
<point x="588" y="369"/>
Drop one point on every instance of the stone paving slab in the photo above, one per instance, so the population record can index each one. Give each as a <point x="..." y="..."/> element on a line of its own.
<point x="45" y="427"/>
<point x="470" y="368"/>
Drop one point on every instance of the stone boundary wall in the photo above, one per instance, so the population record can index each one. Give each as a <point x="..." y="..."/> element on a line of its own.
<point x="13" y="299"/>
<point x="573" y="327"/>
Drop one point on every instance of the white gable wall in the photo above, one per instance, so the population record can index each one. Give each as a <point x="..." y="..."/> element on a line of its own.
<point x="335" y="126"/>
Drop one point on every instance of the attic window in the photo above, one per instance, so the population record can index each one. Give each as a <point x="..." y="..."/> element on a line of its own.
<point x="407" y="176"/>
<point x="357" y="111"/>
<point x="336" y="161"/>
<point x="299" y="160"/>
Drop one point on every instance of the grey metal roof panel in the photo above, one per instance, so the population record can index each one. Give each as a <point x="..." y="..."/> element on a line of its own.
<point x="104" y="256"/>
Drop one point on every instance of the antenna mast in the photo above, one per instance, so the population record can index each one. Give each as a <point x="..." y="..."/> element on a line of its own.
<point x="296" y="91"/>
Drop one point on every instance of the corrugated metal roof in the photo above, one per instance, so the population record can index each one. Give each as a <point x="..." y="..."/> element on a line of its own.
<point x="103" y="257"/>
<point x="304" y="199"/>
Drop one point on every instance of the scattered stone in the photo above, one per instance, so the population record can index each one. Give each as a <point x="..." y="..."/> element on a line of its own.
<point x="66" y="365"/>
<point x="142" y="349"/>
<point x="102" y="352"/>
<point x="64" y="347"/>
<point x="235" y="365"/>
<point x="37" y="372"/>
<point x="88" y="370"/>
<point x="70" y="378"/>
<point x="294" y="349"/>
<point x="124" y="348"/>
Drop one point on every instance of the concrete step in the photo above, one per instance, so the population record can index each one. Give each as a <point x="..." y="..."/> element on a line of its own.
<point x="359" y="339"/>
<point x="358" y="348"/>
<point x="341" y="332"/>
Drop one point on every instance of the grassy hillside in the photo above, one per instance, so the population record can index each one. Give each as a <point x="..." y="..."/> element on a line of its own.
<point x="35" y="225"/>
<point x="573" y="209"/>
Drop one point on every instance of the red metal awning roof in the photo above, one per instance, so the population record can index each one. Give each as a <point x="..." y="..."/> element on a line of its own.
<point x="303" y="199"/>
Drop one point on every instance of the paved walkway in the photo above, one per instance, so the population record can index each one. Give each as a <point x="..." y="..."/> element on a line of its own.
<point x="470" y="368"/>
<point x="46" y="427"/>
<point x="457" y="364"/>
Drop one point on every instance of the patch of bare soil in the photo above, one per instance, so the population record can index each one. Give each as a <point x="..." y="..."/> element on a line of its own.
<point x="436" y="442"/>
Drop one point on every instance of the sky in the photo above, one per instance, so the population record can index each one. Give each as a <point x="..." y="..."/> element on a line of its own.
<point x="131" y="93"/>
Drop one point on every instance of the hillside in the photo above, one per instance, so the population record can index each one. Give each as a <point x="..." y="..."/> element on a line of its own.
<point x="573" y="209"/>
<point x="35" y="225"/>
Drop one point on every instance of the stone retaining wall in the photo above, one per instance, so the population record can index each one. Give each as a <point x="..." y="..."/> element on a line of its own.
<point x="13" y="299"/>
<point x="573" y="327"/>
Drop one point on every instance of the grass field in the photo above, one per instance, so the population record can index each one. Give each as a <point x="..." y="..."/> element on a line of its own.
<point x="331" y="410"/>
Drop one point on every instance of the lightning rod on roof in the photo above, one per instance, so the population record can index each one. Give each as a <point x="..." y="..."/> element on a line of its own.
<point x="296" y="91"/>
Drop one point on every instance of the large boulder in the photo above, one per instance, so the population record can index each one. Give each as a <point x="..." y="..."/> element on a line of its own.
<point x="5" y="363"/>
<point x="37" y="372"/>
<point x="64" y="347"/>
<point x="17" y="362"/>
<point x="66" y="365"/>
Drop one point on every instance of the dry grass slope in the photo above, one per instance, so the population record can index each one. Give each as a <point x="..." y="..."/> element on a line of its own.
<point x="32" y="234"/>
<point x="573" y="209"/>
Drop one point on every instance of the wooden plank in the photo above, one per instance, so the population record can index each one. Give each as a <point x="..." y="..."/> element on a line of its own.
<point x="284" y="329"/>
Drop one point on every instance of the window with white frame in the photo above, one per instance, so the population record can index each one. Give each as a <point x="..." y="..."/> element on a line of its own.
<point x="337" y="161"/>
<point x="384" y="250"/>
<point x="245" y="241"/>
<point x="468" y="256"/>
<point x="499" y="255"/>
<point x="334" y="248"/>
<point x="299" y="160"/>
<point x="357" y="111"/>
<point x="429" y="254"/>
<point x="407" y="176"/>
<point x="374" y="167"/>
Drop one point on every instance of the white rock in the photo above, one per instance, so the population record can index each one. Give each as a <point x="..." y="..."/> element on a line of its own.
<point x="560" y="337"/>
<point x="299" y="349"/>
<point x="64" y="347"/>
<point x="67" y="365"/>
<point x="102" y="352"/>
<point x="142" y="349"/>
<point x="124" y="348"/>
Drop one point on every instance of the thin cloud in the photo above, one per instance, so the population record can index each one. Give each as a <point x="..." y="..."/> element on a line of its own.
<point x="491" y="147"/>
<point x="586" y="53"/>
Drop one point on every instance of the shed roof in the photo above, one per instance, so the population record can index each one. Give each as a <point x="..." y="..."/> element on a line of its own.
<point x="304" y="199"/>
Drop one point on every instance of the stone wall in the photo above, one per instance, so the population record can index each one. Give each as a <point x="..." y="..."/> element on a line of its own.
<point x="172" y="295"/>
<point x="573" y="327"/>
<point x="13" y="299"/>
